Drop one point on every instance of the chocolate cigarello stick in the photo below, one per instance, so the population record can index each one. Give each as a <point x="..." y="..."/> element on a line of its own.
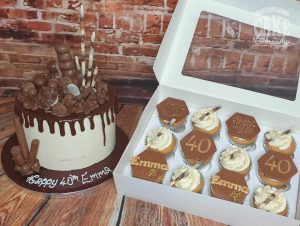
<point x="17" y="155"/>
<point x="33" y="151"/>
<point x="210" y="112"/>
<point x="77" y="63"/>
<point x="94" y="76"/>
<point x="21" y="137"/>
<point x="185" y="174"/>
<point x="83" y="72"/>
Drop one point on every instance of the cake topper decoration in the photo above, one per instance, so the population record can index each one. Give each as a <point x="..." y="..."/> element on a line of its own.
<point x="149" y="165"/>
<point x="242" y="126"/>
<point x="277" y="166"/>
<point x="198" y="146"/>
<point x="230" y="186"/>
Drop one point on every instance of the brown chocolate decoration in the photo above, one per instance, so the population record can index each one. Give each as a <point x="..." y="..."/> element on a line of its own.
<point x="149" y="165"/>
<point x="69" y="73"/>
<point x="172" y="108"/>
<point x="39" y="80"/>
<point x="230" y="186"/>
<point x="76" y="79"/>
<point x="53" y="83"/>
<point x="28" y="89"/>
<point x="65" y="57"/>
<point x="61" y="48"/>
<point x="242" y="126"/>
<point x="60" y="110"/>
<point x="66" y="66"/>
<point x="52" y="67"/>
<point x="107" y="110"/>
<point x="198" y="146"/>
<point x="278" y="166"/>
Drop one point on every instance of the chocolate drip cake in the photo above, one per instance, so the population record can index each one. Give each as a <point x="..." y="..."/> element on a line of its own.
<point x="74" y="131"/>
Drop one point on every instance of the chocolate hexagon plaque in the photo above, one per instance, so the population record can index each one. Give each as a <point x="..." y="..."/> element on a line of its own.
<point x="277" y="166"/>
<point x="229" y="185"/>
<point x="242" y="126"/>
<point x="198" y="146"/>
<point x="172" y="108"/>
<point x="149" y="165"/>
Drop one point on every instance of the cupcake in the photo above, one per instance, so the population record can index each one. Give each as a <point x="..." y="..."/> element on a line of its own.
<point x="149" y="165"/>
<point x="236" y="159"/>
<point x="206" y="121"/>
<point x="276" y="141"/>
<point x="161" y="140"/>
<point x="187" y="178"/>
<point x="173" y="114"/>
<point x="229" y="185"/>
<point x="276" y="169"/>
<point x="242" y="129"/>
<point x="271" y="200"/>
<point x="198" y="148"/>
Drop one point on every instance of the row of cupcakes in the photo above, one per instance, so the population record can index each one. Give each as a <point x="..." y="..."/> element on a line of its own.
<point x="227" y="185"/>
<point x="242" y="129"/>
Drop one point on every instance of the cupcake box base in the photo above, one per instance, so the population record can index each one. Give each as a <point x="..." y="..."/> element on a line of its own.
<point x="269" y="112"/>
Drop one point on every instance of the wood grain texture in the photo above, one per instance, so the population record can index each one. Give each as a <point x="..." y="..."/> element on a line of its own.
<point x="17" y="205"/>
<point x="128" y="118"/>
<point x="136" y="212"/>
<point x="94" y="208"/>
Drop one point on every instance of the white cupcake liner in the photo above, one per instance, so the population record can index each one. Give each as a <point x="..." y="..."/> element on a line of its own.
<point x="249" y="147"/>
<point x="176" y="129"/>
<point x="247" y="176"/>
<point x="201" y="175"/>
<point x="251" y="203"/>
<point x="267" y="149"/>
<point x="265" y="184"/>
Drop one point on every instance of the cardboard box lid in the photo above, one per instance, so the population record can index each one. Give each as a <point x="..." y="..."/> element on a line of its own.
<point x="177" y="40"/>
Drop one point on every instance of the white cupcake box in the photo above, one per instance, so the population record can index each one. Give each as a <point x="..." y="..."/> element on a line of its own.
<point x="269" y="112"/>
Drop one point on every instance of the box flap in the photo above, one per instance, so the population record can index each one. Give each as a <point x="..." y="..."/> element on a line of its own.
<point x="174" y="49"/>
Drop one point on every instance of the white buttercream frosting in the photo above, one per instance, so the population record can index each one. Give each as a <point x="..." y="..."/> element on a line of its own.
<point x="281" y="141"/>
<point x="235" y="159"/>
<point x="159" y="139"/>
<point x="190" y="181"/>
<point x="207" y="123"/>
<point x="276" y="205"/>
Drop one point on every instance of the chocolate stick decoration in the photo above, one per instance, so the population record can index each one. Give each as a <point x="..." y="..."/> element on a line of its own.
<point x="17" y="157"/>
<point x="91" y="56"/>
<point x="211" y="111"/>
<point x="185" y="174"/>
<point x="82" y="45"/>
<point x="94" y="76"/>
<point x="33" y="151"/>
<point x="286" y="132"/>
<point x="21" y="137"/>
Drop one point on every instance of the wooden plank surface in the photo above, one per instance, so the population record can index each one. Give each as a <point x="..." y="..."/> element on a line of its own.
<point x="136" y="212"/>
<point x="17" y="205"/>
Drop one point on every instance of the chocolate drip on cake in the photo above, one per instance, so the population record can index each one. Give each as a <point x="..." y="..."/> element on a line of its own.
<point x="27" y="117"/>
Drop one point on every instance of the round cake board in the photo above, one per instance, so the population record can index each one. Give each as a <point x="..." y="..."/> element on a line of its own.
<point x="51" y="181"/>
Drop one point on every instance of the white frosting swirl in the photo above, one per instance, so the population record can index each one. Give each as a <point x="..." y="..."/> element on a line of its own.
<point x="159" y="139"/>
<point x="207" y="123"/>
<point x="190" y="182"/>
<point x="277" y="205"/>
<point x="282" y="141"/>
<point x="235" y="159"/>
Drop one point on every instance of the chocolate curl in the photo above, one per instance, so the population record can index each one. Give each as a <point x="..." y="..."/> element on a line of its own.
<point x="21" y="137"/>
<point x="33" y="151"/>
